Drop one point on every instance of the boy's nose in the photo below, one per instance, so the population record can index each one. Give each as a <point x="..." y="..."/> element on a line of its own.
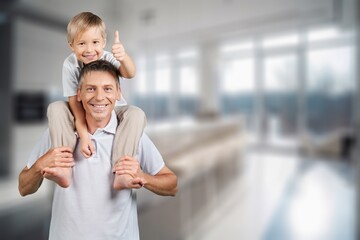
<point x="89" y="48"/>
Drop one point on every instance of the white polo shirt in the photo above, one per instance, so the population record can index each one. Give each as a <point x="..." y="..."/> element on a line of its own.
<point x="71" y="74"/>
<point x="89" y="208"/>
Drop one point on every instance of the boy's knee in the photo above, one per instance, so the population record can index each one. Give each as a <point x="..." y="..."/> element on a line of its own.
<point x="135" y="112"/>
<point x="138" y="114"/>
<point x="132" y="113"/>
<point x="56" y="108"/>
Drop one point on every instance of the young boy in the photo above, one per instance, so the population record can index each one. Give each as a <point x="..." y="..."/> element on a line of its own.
<point x="86" y="34"/>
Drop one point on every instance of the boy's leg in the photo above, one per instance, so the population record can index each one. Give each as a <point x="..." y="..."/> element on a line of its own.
<point x="132" y="121"/>
<point x="62" y="176"/>
<point x="62" y="133"/>
<point x="61" y="125"/>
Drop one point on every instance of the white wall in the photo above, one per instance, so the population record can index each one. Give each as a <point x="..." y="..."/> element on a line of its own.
<point x="38" y="54"/>
<point x="164" y="22"/>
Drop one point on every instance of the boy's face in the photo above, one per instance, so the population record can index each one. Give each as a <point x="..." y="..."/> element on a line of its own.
<point x="88" y="46"/>
<point x="98" y="93"/>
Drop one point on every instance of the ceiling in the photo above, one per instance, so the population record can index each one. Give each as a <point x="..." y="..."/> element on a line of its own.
<point x="160" y="22"/>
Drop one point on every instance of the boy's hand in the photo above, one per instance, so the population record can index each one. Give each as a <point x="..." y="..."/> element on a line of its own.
<point x="118" y="49"/>
<point x="86" y="147"/>
<point x="136" y="183"/>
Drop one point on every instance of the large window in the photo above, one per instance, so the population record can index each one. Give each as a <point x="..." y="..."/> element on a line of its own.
<point x="189" y="85"/>
<point x="281" y="84"/>
<point x="330" y="89"/>
<point x="280" y="95"/>
<point x="291" y="83"/>
<point x="168" y="85"/>
<point x="237" y="85"/>
<point x="238" y="88"/>
<point x="143" y="87"/>
<point x="162" y="87"/>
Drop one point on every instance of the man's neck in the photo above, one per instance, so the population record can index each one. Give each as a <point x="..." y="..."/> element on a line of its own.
<point x="93" y="125"/>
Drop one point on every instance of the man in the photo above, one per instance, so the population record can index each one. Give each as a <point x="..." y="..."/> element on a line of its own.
<point x="90" y="208"/>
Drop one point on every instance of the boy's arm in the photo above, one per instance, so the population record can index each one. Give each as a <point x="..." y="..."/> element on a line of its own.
<point x="79" y="115"/>
<point x="127" y="67"/>
<point x="86" y="146"/>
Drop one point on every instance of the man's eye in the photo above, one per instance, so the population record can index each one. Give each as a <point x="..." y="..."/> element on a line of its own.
<point x="96" y="42"/>
<point x="90" y="89"/>
<point x="108" y="89"/>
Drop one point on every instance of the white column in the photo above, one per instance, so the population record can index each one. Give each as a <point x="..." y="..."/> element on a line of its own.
<point x="356" y="154"/>
<point x="209" y="77"/>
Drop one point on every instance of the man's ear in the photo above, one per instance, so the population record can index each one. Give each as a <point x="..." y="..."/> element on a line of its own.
<point x="118" y="94"/>
<point x="78" y="97"/>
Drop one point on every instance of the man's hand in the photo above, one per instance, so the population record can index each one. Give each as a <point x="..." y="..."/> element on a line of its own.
<point x="118" y="49"/>
<point x="56" y="165"/>
<point x="128" y="165"/>
<point x="56" y="157"/>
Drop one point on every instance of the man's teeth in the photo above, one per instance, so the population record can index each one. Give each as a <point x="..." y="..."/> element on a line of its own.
<point x="99" y="106"/>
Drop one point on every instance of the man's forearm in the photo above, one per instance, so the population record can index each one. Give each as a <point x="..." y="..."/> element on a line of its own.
<point x="164" y="183"/>
<point x="29" y="180"/>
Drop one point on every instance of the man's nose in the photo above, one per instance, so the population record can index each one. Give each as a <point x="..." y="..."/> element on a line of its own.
<point x="99" y="95"/>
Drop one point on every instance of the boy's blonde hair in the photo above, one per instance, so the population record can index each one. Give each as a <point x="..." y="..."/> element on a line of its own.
<point x="82" y="22"/>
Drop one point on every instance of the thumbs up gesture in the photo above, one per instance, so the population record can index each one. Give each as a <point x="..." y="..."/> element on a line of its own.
<point x="118" y="49"/>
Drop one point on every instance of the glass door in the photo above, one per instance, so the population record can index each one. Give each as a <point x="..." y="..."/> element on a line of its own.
<point x="280" y="99"/>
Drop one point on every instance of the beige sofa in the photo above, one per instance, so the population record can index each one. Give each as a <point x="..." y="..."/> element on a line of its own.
<point x="205" y="155"/>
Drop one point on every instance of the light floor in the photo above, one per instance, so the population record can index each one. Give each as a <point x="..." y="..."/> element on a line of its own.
<point x="280" y="195"/>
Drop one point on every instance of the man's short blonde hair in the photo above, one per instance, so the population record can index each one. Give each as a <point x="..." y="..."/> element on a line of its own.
<point x="82" y="22"/>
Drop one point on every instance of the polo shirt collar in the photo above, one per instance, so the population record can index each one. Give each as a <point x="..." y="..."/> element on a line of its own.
<point x="111" y="126"/>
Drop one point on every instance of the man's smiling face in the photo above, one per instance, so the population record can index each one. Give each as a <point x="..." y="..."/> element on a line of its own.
<point x="98" y="92"/>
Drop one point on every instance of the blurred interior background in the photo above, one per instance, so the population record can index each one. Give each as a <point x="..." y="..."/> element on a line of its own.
<point x="253" y="103"/>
